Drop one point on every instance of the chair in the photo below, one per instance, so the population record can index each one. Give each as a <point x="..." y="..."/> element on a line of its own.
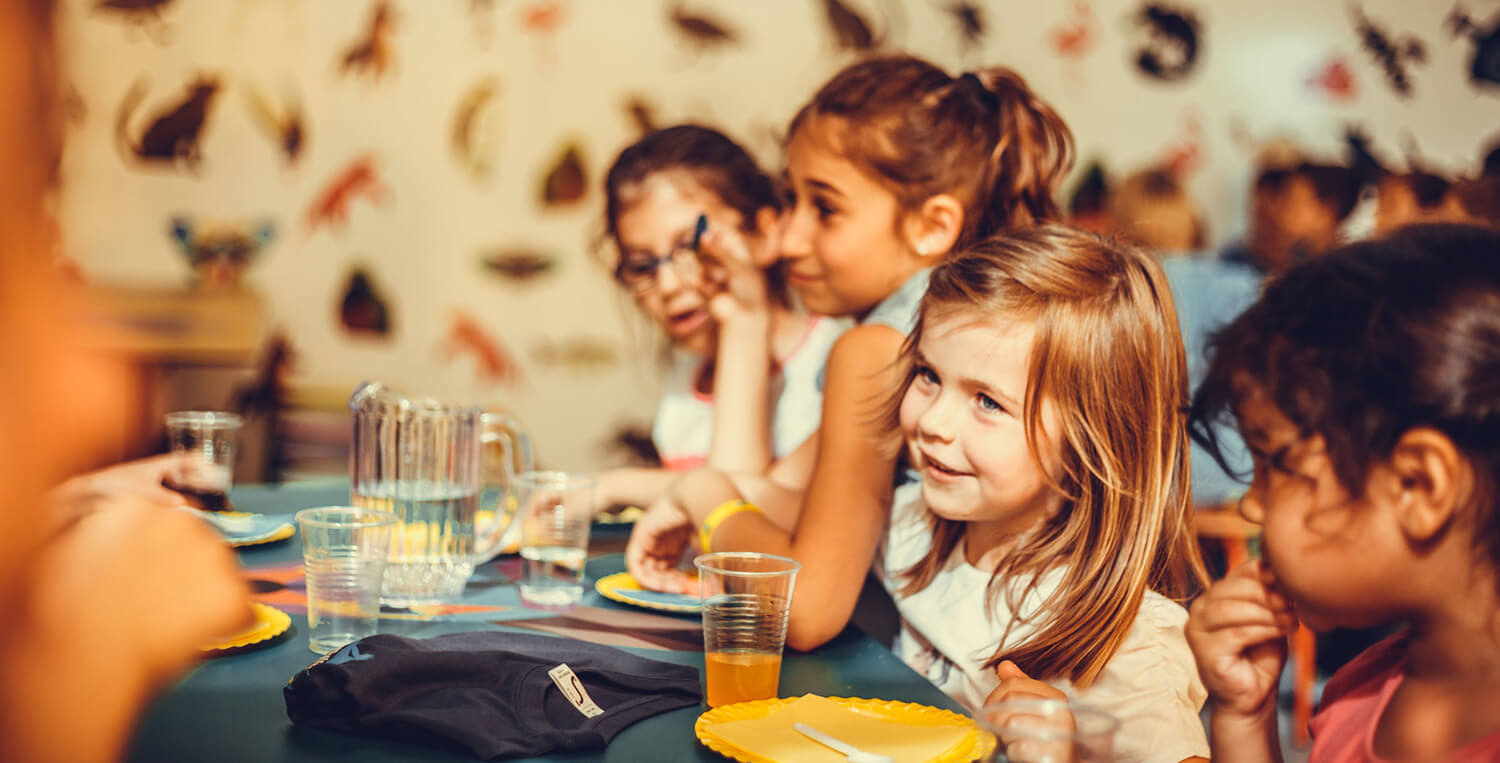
<point x="1224" y="525"/>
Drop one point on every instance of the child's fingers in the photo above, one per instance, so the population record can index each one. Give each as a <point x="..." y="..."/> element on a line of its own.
<point x="714" y="246"/>
<point x="1008" y="669"/>
<point x="1226" y="613"/>
<point x="1247" y="635"/>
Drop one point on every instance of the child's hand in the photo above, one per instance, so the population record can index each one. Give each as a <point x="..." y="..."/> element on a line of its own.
<point x="727" y="264"/>
<point x="1238" y="632"/>
<point x="657" y="542"/>
<point x="1023" y="743"/>
<point x="91" y="577"/>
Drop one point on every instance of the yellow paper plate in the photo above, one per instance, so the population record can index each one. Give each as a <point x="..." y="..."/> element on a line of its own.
<point x="622" y="587"/>
<point x="973" y="746"/>
<point x="624" y="516"/>
<point x="285" y="531"/>
<point x="270" y="622"/>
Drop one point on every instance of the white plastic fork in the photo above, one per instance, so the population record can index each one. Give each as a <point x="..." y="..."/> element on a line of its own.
<point x="851" y="753"/>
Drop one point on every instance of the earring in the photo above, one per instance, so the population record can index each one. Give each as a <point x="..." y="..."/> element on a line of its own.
<point x="921" y="250"/>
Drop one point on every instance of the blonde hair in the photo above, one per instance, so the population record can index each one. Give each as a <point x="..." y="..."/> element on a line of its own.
<point x="1107" y="355"/>
<point x="1151" y="208"/>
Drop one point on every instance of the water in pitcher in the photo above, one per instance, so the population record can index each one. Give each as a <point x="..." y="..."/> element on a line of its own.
<point x="432" y="549"/>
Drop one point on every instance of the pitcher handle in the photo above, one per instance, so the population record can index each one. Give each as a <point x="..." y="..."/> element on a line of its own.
<point x="515" y="446"/>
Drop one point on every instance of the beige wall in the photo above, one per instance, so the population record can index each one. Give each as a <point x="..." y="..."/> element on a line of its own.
<point x="569" y="84"/>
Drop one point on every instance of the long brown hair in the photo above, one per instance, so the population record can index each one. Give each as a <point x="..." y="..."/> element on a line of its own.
<point x="1107" y="355"/>
<point x="983" y="137"/>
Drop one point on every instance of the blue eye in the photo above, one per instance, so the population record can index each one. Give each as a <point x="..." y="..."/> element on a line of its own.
<point x="988" y="403"/>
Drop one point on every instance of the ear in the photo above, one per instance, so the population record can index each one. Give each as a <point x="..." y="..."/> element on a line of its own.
<point x="765" y="240"/>
<point x="766" y="219"/>
<point x="932" y="229"/>
<point x="1432" y="482"/>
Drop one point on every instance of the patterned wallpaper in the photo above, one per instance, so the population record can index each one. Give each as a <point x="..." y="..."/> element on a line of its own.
<point x="414" y="184"/>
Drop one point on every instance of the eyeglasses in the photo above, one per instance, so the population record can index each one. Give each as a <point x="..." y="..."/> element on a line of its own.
<point x="637" y="271"/>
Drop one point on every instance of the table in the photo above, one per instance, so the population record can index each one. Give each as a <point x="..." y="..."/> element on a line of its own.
<point x="231" y="709"/>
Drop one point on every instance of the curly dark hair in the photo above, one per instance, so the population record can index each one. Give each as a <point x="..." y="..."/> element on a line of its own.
<point x="1369" y="341"/>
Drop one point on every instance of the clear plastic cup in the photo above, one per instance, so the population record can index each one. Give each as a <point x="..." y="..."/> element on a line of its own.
<point x="747" y="598"/>
<point x="343" y="553"/>
<point x="1048" y="731"/>
<point x="557" y="509"/>
<point x="205" y="444"/>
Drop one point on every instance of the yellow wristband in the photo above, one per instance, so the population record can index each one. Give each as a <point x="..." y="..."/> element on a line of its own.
<point x="716" y="517"/>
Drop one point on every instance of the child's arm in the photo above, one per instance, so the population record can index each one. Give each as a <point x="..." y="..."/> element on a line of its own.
<point x="632" y="486"/>
<point x="742" y="366"/>
<point x="1238" y="632"/>
<point x="844" y="510"/>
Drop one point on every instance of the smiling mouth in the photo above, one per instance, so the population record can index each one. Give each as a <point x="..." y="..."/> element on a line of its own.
<point x="940" y="467"/>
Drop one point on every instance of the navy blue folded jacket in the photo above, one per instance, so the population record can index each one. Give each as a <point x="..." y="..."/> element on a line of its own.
<point x="491" y="693"/>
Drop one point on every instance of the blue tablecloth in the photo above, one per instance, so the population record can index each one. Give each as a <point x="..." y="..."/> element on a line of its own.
<point x="230" y="708"/>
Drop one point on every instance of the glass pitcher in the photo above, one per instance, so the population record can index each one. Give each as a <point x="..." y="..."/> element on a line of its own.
<point x="424" y="461"/>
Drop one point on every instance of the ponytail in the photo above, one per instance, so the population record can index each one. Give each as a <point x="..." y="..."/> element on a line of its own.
<point x="1032" y="153"/>
<point x="984" y="138"/>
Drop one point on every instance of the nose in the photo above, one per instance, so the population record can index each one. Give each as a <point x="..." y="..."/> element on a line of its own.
<point x="1251" y="507"/>
<point x="938" y="422"/>
<point x="796" y="236"/>
<point x="669" y="279"/>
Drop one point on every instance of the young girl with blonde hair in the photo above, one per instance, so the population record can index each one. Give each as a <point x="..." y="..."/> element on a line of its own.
<point x="1041" y="548"/>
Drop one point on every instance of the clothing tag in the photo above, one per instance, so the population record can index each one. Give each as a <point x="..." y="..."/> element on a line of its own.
<point x="572" y="688"/>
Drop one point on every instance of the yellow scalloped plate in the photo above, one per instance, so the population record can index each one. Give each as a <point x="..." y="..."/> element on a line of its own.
<point x="270" y="622"/>
<point x="973" y="746"/>
<point x="622" y="587"/>
<point x="285" y="531"/>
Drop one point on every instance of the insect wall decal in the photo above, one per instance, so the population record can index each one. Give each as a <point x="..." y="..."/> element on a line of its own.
<point x="1171" y="49"/>
<point x="1393" y="54"/>
<point x="1484" y="65"/>
<point x="493" y="363"/>
<point x="219" y="252"/>
<point x="175" y="132"/>
<point x="283" y="123"/>
<point x="566" y="182"/>
<point x="1185" y="155"/>
<point x="331" y="205"/>
<point x="363" y="310"/>
<point x="482" y="21"/>
<point x="374" y="53"/>
<point x="969" y="18"/>
<point x="145" y="15"/>
<point x="701" y="31"/>
<point x="850" y="30"/>
<point x="642" y="114"/>
<point x="1074" y="38"/>
<point x="1335" y="79"/>
<point x="579" y="354"/>
<point x="520" y="265"/>
<point x="473" y="136"/>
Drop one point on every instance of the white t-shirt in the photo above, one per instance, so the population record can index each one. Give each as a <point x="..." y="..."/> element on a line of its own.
<point x="947" y="634"/>
<point x="684" y="426"/>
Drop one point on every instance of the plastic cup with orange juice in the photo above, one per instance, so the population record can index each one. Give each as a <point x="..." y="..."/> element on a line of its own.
<point x="746" y="600"/>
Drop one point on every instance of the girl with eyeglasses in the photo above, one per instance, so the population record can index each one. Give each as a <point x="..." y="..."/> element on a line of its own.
<point x="695" y="223"/>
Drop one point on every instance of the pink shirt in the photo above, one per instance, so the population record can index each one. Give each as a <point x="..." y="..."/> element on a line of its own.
<point x="1356" y="697"/>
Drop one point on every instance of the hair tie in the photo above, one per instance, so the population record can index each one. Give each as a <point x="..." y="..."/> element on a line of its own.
<point x="976" y="89"/>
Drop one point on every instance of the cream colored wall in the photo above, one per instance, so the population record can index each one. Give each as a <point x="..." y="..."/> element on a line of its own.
<point x="570" y="84"/>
